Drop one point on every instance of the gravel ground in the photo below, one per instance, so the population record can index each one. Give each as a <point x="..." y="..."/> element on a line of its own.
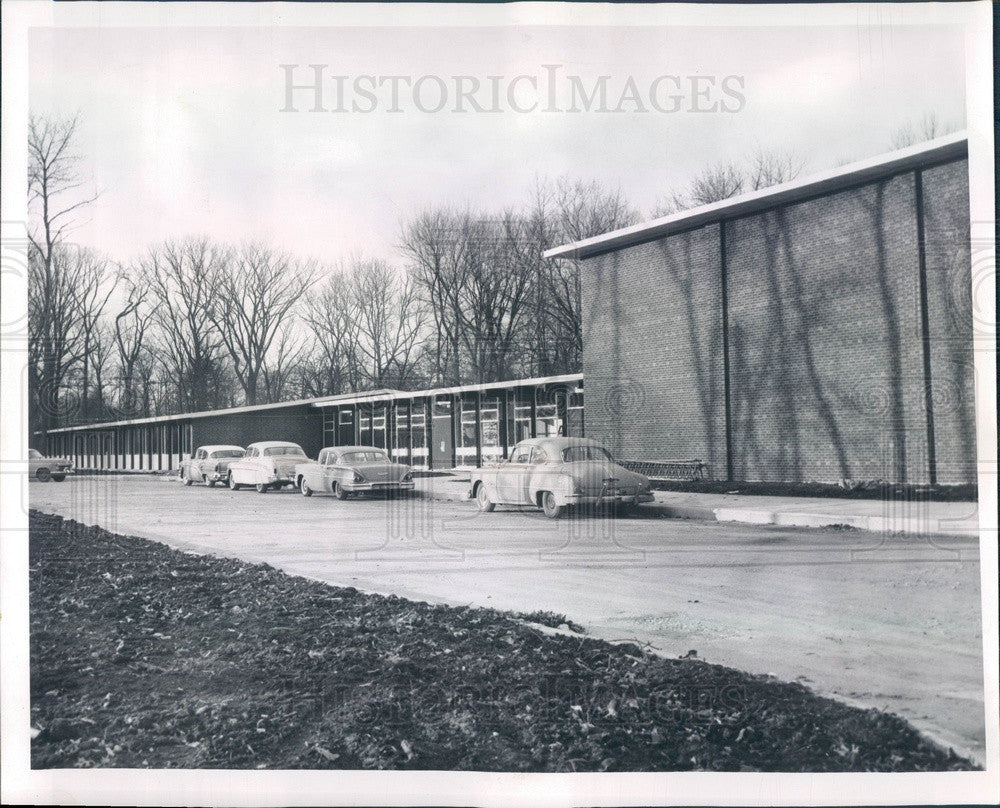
<point x="144" y="656"/>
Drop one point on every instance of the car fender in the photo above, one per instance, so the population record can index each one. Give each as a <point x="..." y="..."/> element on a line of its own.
<point x="558" y="482"/>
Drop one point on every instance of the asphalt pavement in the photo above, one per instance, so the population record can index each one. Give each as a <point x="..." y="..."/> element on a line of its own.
<point x="877" y="619"/>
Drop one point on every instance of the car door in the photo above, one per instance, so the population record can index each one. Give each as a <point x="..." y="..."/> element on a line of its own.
<point x="197" y="467"/>
<point x="241" y="473"/>
<point x="511" y="477"/>
<point x="326" y="472"/>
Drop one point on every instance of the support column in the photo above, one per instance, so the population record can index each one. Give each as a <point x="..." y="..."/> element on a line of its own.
<point x="925" y="329"/>
<point x="725" y="349"/>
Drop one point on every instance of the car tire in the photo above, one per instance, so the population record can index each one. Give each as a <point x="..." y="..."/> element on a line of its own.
<point x="339" y="492"/>
<point x="483" y="499"/>
<point x="208" y="482"/>
<point x="549" y="506"/>
<point x="304" y="487"/>
<point x="262" y="488"/>
<point x="233" y="485"/>
<point x="186" y="476"/>
<point x="43" y="475"/>
<point x="58" y="478"/>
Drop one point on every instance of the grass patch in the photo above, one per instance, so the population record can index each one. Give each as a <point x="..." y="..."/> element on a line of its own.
<point x="144" y="656"/>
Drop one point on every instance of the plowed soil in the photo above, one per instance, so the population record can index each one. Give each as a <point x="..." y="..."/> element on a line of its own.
<point x="144" y="656"/>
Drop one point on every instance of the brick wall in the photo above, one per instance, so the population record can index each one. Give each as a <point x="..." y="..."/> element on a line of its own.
<point x="950" y="320"/>
<point x="652" y="320"/>
<point x="826" y="352"/>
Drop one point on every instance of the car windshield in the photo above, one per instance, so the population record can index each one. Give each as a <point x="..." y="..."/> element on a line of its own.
<point x="296" y="451"/>
<point x="364" y="457"/>
<point x="573" y="454"/>
<point x="227" y="453"/>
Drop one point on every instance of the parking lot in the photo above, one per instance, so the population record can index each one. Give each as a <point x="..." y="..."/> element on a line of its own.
<point x="885" y="622"/>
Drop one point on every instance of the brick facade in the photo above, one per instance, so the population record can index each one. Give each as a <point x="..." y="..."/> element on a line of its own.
<point x="823" y="324"/>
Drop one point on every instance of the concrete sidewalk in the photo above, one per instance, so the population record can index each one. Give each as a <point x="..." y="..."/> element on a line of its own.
<point x="882" y="516"/>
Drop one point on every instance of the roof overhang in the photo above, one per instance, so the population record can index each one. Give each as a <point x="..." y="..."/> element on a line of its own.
<point x="335" y="401"/>
<point x="933" y="152"/>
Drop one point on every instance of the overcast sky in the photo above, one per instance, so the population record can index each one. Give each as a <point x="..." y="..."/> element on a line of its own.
<point x="181" y="129"/>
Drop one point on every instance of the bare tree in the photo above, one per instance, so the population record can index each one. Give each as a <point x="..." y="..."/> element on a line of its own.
<point x="181" y="278"/>
<point x="772" y="167"/>
<point x="332" y="365"/>
<point x="762" y="168"/>
<point x="55" y="271"/>
<point x="131" y="326"/>
<point x="435" y="244"/>
<point x="565" y="211"/>
<point x="927" y="127"/>
<point x="283" y="364"/>
<point x="390" y="323"/>
<point x="256" y="289"/>
<point x="95" y="284"/>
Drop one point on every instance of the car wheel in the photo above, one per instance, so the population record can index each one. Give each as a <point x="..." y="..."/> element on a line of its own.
<point x="186" y="476"/>
<point x="208" y="482"/>
<point x="262" y="488"/>
<point x="304" y="487"/>
<point x="58" y="478"/>
<point x="43" y="475"/>
<point x="549" y="506"/>
<point x="233" y="485"/>
<point x="483" y="499"/>
<point x="339" y="492"/>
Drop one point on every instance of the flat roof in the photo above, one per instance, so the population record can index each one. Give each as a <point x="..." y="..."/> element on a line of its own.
<point x="156" y="419"/>
<point x="443" y="391"/>
<point x="940" y="150"/>
<point x="383" y="394"/>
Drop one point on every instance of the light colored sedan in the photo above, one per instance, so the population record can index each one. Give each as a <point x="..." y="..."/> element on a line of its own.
<point x="555" y="473"/>
<point x="44" y="468"/>
<point x="210" y="464"/>
<point x="266" y="465"/>
<point x="346" y="470"/>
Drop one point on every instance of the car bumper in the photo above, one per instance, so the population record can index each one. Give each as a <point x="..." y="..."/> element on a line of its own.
<point x="376" y="488"/>
<point x="603" y="499"/>
<point x="217" y="476"/>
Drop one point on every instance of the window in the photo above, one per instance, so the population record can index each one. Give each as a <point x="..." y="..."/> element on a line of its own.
<point x="547" y="420"/>
<point x="331" y="459"/>
<point x="539" y="456"/>
<point x="291" y="449"/>
<point x="364" y="457"/>
<point x="200" y="454"/>
<point x="489" y="430"/>
<point x="522" y="421"/>
<point x="346" y="417"/>
<point x="228" y="453"/>
<point x="521" y="455"/>
<point x="575" y="454"/>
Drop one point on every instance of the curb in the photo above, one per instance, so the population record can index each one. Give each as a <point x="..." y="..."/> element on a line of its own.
<point x="757" y="516"/>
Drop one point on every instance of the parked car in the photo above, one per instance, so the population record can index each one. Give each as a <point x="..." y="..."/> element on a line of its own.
<point x="44" y="468"/>
<point x="555" y="473"/>
<point x="267" y="464"/>
<point x="210" y="464"/>
<point x="346" y="470"/>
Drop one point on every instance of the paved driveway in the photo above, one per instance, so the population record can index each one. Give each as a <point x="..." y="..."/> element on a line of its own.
<point x="888" y="623"/>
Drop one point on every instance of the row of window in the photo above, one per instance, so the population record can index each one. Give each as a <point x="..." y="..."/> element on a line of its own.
<point x="479" y="428"/>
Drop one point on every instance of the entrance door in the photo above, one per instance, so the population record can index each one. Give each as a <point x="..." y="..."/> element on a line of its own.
<point x="442" y="436"/>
